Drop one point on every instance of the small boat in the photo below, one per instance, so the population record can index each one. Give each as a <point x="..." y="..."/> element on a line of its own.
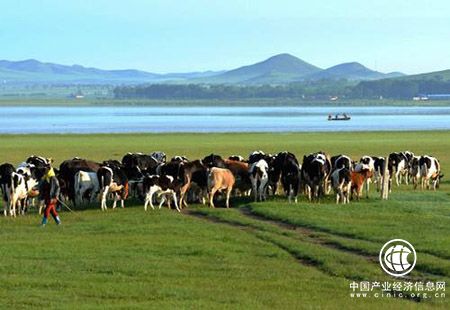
<point x="339" y="117"/>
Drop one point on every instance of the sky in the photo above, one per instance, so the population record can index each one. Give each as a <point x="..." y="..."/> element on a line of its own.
<point x="196" y="35"/>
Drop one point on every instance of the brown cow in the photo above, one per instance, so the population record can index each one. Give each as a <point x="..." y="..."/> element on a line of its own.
<point x="241" y="175"/>
<point x="359" y="177"/>
<point x="220" y="179"/>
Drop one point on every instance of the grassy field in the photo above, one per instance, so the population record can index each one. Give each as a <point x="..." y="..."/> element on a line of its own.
<point x="255" y="255"/>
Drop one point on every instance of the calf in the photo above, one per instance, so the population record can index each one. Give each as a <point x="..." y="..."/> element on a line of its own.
<point x="259" y="178"/>
<point x="220" y="179"/>
<point x="86" y="186"/>
<point x="165" y="186"/>
<point x="112" y="179"/>
<point x="378" y="165"/>
<point x="341" y="181"/>
<point x="358" y="178"/>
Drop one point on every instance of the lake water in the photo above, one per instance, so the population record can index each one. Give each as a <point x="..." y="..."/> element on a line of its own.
<point x="113" y="119"/>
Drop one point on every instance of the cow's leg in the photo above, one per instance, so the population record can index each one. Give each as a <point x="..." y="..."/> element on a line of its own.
<point x="116" y="197"/>
<point x="174" y="197"/>
<point x="183" y="192"/>
<point x="163" y="200"/>
<point x="229" y="189"/>
<point x="263" y="188"/>
<point x="367" y="183"/>
<point x="255" y="188"/>
<point x="104" y="195"/>
<point x="211" y="197"/>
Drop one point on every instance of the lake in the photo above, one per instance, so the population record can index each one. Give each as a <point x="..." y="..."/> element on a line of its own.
<point x="116" y="119"/>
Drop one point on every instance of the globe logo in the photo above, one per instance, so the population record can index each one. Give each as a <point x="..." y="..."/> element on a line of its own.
<point x="397" y="257"/>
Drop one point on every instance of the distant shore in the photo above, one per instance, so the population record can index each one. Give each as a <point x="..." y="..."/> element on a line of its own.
<point x="27" y="101"/>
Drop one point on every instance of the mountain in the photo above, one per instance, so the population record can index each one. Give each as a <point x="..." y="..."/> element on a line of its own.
<point x="278" y="69"/>
<point x="33" y="71"/>
<point x="350" y="71"/>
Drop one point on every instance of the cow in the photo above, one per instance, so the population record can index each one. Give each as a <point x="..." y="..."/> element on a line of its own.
<point x="6" y="172"/>
<point x="314" y="173"/>
<point x="220" y="179"/>
<point x="193" y="171"/>
<point x="359" y="177"/>
<point x="287" y="167"/>
<point x="135" y="166"/>
<point x="430" y="170"/>
<point x="86" y="186"/>
<point x="378" y="170"/>
<point x="340" y="161"/>
<point x="259" y="176"/>
<point x="179" y="158"/>
<point x="18" y="194"/>
<point x="236" y="158"/>
<point x="161" y="185"/>
<point x="112" y="179"/>
<point x="213" y="160"/>
<point x="341" y="181"/>
<point x="32" y="176"/>
<point x="254" y="156"/>
<point x="414" y="171"/>
<point x="398" y="167"/>
<point x="239" y="169"/>
<point x="159" y="156"/>
<point x="369" y="162"/>
<point x="67" y="171"/>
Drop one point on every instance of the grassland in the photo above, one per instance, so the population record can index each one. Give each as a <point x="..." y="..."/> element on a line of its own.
<point x="255" y="255"/>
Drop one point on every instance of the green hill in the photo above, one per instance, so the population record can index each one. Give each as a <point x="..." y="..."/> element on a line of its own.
<point x="278" y="69"/>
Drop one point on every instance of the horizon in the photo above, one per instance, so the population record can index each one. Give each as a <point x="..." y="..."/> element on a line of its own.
<point x="198" y="36"/>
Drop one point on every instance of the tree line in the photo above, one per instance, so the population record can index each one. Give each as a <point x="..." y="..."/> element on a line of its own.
<point x="386" y="88"/>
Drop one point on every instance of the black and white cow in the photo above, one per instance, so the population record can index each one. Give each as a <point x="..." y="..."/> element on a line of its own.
<point x="378" y="170"/>
<point x="398" y="164"/>
<point x="112" y="179"/>
<point x="86" y="186"/>
<point x="287" y="166"/>
<point x="6" y="184"/>
<point x="414" y="171"/>
<point x="32" y="176"/>
<point x="135" y="166"/>
<point x="340" y="161"/>
<point x="159" y="156"/>
<point x="430" y="171"/>
<point x="259" y="177"/>
<point x="314" y="173"/>
<point x="341" y="181"/>
<point x="164" y="186"/>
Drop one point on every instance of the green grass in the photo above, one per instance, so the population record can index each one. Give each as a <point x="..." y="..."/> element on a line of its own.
<point x="255" y="255"/>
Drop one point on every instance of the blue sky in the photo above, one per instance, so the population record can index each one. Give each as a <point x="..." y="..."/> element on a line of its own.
<point x="176" y="36"/>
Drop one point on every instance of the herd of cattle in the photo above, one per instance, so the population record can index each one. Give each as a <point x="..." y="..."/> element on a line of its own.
<point x="179" y="180"/>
